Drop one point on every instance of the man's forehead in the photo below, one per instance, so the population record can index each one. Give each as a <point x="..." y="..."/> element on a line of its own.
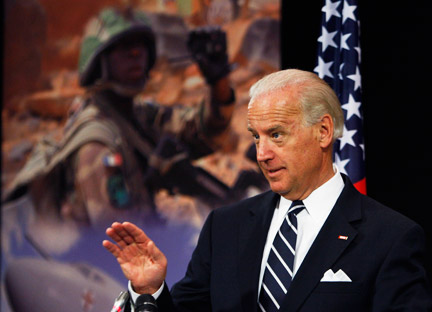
<point x="276" y="108"/>
<point x="272" y="120"/>
<point x="271" y="111"/>
<point x="284" y="97"/>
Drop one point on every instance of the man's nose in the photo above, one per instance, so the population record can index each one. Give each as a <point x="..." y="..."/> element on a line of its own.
<point x="264" y="151"/>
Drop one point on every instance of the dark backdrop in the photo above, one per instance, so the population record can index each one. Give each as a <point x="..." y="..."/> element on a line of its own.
<point x="396" y="101"/>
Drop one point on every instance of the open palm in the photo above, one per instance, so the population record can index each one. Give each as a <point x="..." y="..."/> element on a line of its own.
<point x="142" y="263"/>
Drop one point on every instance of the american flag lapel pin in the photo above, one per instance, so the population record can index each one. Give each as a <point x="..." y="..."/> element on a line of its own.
<point x="343" y="237"/>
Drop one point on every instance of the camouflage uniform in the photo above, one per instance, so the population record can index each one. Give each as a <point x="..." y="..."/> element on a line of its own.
<point x="101" y="185"/>
<point x="106" y="165"/>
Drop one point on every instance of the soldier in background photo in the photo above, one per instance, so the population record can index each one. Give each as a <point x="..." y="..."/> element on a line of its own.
<point x="116" y="153"/>
<point x="148" y="139"/>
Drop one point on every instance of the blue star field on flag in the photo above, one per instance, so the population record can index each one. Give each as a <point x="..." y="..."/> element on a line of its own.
<point x="339" y="65"/>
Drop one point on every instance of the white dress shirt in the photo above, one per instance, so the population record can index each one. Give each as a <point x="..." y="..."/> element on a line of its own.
<point x="134" y="296"/>
<point x="309" y="221"/>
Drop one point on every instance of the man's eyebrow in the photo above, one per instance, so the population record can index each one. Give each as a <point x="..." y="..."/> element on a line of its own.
<point x="269" y="130"/>
<point x="275" y="128"/>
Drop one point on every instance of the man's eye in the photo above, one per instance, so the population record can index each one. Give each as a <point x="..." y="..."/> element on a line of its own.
<point x="276" y="135"/>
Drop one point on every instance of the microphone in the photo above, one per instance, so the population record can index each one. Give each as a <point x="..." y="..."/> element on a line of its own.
<point x="120" y="302"/>
<point x="146" y="303"/>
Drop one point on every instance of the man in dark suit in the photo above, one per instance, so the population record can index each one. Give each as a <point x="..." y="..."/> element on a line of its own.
<point x="313" y="243"/>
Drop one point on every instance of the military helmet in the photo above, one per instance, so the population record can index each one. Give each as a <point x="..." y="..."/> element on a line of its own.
<point x="101" y="32"/>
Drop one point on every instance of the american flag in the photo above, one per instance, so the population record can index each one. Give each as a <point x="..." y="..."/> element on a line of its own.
<point x="339" y="65"/>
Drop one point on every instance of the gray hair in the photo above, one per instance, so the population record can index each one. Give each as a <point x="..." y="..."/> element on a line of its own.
<point x="316" y="97"/>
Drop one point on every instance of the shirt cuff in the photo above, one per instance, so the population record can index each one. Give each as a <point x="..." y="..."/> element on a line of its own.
<point x="134" y="295"/>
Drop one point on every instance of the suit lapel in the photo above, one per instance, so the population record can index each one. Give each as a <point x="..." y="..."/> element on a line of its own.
<point x="253" y="230"/>
<point x="326" y="248"/>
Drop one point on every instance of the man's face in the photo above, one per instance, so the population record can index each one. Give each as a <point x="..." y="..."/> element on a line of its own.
<point x="128" y="62"/>
<point x="288" y="153"/>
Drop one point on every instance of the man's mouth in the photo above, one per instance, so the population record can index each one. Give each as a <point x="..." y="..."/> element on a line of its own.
<point x="273" y="171"/>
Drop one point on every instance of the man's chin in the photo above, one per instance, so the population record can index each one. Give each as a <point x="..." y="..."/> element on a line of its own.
<point x="277" y="188"/>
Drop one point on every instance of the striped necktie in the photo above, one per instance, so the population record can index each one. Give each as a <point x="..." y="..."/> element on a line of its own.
<point x="279" y="268"/>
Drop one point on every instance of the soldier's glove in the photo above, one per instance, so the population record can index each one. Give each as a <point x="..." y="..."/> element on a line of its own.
<point x="209" y="49"/>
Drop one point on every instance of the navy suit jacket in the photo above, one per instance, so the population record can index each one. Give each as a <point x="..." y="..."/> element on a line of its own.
<point x="382" y="255"/>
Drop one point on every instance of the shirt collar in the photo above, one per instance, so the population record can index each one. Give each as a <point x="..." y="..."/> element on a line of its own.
<point x="320" y="202"/>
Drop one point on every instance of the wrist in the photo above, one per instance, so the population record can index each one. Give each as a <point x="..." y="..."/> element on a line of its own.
<point x="145" y="289"/>
<point x="134" y="295"/>
<point x="222" y="92"/>
<point x="215" y="72"/>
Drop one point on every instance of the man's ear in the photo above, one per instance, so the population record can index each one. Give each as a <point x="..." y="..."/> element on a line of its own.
<point x="326" y="127"/>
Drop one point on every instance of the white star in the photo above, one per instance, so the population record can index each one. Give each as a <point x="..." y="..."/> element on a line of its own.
<point x="356" y="78"/>
<point x="323" y="68"/>
<point x="343" y="42"/>
<point x="352" y="107"/>
<point x="330" y="9"/>
<point x="341" y="163"/>
<point x="348" y="12"/>
<point x="347" y="138"/>
<point x="326" y="39"/>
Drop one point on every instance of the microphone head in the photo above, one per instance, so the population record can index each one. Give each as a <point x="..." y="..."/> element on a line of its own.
<point x="146" y="303"/>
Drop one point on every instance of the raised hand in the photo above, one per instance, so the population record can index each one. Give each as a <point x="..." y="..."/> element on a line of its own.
<point x="208" y="47"/>
<point x="141" y="261"/>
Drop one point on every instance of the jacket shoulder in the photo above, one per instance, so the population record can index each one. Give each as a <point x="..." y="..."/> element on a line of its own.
<point x="248" y="203"/>
<point x="384" y="216"/>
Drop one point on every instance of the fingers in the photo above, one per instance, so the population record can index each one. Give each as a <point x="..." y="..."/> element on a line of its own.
<point x="112" y="248"/>
<point x="134" y="232"/>
<point x="113" y="233"/>
<point x="140" y="259"/>
<point x="126" y="233"/>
